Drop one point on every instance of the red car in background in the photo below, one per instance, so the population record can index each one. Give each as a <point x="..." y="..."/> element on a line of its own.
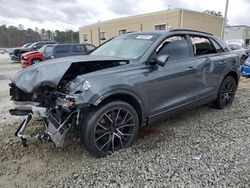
<point x="30" y="58"/>
<point x="52" y="51"/>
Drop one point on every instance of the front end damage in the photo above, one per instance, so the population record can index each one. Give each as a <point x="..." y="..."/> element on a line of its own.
<point x="57" y="119"/>
<point x="50" y="92"/>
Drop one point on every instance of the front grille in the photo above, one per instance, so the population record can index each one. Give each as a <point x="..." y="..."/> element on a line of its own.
<point x="17" y="94"/>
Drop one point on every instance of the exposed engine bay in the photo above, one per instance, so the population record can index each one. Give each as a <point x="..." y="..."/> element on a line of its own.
<point x="52" y="101"/>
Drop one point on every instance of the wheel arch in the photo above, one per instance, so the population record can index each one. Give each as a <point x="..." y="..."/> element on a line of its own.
<point x="36" y="58"/>
<point x="131" y="99"/>
<point x="234" y="75"/>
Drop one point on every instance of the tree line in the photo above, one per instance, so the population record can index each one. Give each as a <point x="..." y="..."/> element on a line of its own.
<point x="12" y="36"/>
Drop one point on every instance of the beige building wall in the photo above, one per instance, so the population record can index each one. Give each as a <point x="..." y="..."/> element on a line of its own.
<point x="202" y="22"/>
<point x="173" y="19"/>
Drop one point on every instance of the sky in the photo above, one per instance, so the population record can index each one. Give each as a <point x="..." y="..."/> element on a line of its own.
<point x="71" y="14"/>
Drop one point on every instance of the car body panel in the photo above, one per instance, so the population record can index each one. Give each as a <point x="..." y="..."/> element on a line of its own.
<point x="245" y="70"/>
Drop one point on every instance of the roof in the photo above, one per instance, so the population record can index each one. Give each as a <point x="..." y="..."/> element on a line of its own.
<point x="164" y="32"/>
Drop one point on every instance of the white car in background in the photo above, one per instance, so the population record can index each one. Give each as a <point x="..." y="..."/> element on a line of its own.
<point x="237" y="46"/>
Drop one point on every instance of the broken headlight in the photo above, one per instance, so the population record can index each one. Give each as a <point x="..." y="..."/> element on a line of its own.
<point x="86" y="85"/>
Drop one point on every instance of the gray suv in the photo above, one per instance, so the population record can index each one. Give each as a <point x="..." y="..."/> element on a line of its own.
<point x="130" y="81"/>
<point x="64" y="50"/>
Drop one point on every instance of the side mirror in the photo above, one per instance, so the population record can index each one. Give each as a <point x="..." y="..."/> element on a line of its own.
<point x="159" y="60"/>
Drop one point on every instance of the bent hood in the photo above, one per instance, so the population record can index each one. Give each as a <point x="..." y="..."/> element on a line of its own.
<point x="52" y="71"/>
<point x="30" y="53"/>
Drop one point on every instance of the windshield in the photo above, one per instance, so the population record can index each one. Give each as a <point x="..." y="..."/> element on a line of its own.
<point x="130" y="46"/>
<point x="26" y="45"/>
<point x="41" y="50"/>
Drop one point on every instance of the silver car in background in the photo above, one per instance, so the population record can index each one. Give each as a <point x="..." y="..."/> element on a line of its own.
<point x="237" y="46"/>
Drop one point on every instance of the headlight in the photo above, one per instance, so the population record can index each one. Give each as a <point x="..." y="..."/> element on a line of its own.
<point x="86" y="85"/>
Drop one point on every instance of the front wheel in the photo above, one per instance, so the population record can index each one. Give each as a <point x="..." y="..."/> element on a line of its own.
<point x="111" y="127"/>
<point x="226" y="93"/>
<point x="35" y="61"/>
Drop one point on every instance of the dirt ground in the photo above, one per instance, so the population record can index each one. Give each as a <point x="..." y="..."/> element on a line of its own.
<point x="201" y="147"/>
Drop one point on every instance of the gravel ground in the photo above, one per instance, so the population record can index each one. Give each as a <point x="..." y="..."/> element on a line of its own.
<point x="203" y="147"/>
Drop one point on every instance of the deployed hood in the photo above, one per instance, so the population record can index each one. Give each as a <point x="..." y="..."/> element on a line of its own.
<point x="51" y="72"/>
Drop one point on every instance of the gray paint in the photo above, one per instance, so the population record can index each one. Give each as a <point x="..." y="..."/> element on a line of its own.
<point x="159" y="90"/>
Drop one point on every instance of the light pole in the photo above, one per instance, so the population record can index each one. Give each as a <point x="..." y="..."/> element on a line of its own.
<point x="224" y="20"/>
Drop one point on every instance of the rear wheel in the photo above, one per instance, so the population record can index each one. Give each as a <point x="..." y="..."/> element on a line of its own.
<point x="111" y="127"/>
<point x="226" y="93"/>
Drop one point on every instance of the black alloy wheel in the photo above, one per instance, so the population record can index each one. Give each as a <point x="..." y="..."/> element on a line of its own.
<point x="226" y="93"/>
<point x="112" y="127"/>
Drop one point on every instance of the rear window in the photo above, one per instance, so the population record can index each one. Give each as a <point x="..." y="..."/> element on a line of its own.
<point x="78" y="48"/>
<point x="62" y="49"/>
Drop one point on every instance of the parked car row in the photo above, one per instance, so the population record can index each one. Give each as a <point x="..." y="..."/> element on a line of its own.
<point x="52" y="51"/>
<point x="32" y="53"/>
<point x="17" y="52"/>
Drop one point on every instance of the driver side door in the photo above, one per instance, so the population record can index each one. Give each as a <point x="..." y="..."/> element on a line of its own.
<point x="173" y="85"/>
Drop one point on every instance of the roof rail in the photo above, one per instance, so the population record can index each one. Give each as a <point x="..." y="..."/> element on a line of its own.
<point x="173" y="30"/>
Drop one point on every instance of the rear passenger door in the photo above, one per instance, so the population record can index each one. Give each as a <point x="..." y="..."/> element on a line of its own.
<point x="209" y="59"/>
<point x="62" y="50"/>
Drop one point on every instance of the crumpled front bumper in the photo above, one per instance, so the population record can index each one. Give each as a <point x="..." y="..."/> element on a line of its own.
<point x="54" y="130"/>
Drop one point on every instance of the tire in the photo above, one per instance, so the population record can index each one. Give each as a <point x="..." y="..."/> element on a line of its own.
<point x="35" y="61"/>
<point x="109" y="128"/>
<point x="242" y="59"/>
<point x="226" y="93"/>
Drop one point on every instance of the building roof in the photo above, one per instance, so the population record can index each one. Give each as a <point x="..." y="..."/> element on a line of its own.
<point x="149" y="14"/>
<point x="229" y="26"/>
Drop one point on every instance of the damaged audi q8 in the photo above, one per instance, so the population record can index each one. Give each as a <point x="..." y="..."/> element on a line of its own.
<point x="130" y="81"/>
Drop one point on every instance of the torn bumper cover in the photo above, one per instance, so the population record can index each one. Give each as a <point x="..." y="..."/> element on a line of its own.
<point x="55" y="130"/>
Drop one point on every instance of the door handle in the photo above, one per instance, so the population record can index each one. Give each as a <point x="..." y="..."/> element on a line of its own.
<point x="190" y="68"/>
<point x="222" y="62"/>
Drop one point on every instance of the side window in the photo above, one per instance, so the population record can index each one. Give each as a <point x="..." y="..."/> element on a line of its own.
<point x="217" y="47"/>
<point x="202" y="46"/>
<point x="62" y="48"/>
<point x="78" y="48"/>
<point x="176" y="47"/>
<point x="49" y="50"/>
<point x="85" y="37"/>
<point x="90" y="48"/>
<point x="39" y="45"/>
<point x="160" y="27"/>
